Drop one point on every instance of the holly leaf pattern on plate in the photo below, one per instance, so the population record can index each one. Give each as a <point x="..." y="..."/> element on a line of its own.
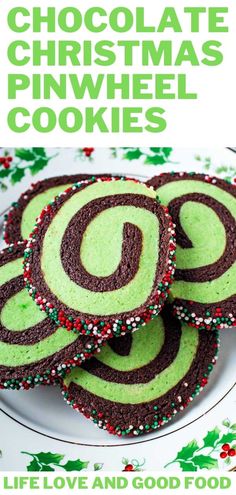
<point x="226" y="422"/>
<point x="98" y="466"/>
<point x="165" y="151"/>
<point x="228" y="438"/>
<point x="49" y="458"/>
<point x="44" y="461"/>
<point x="34" y="466"/>
<point x="186" y="452"/>
<point x="187" y="466"/>
<point x="205" y="462"/>
<point x="160" y="156"/>
<point x="76" y="465"/>
<point x="17" y="175"/>
<point x="5" y="173"/>
<point x="14" y="168"/>
<point x="155" y="160"/>
<point x="156" y="150"/>
<point x="39" y="152"/>
<point x="149" y="156"/>
<point x="38" y="165"/>
<point x="209" y="452"/>
<point x="133" y="154"/>
<point x="211" y="438"/>
<point x="47" y="461"/>
<point x="46" y="467"/>
<point x="25" y="154"/>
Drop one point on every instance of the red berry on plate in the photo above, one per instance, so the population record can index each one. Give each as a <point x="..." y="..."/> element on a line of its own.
<point x="129" y="467"/>
<point x="88" y="151"/>
<point x="223" y="455"/>
<point x="231" y="452"/>
<point x="226" y="447"/>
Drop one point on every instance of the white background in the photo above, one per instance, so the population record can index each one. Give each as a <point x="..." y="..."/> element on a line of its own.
<point x="210" y="120"/>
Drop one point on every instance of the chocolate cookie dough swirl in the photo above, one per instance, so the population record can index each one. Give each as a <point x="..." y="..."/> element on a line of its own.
<point x="204" y="211"/>
<point x="20" y="220"/>
<point x="102" y="257"/>
<point x="141" y="381"/>
<point x="33" y="350"/>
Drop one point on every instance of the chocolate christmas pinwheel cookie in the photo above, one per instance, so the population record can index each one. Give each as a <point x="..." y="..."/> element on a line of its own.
<point x="141" y="381"/>
<point x="101" y="257"/>
<point x="204" y="211"/>
<point x="20" y="220"/>
<point x="33" y="350"/>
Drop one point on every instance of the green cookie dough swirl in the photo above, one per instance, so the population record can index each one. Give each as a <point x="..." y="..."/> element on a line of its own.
<point x="32" y="349"/>
<point x="20" y="220"/>
<point x="158" y="369"/>
<point x="35" y="206"/>
<point x="204" y="211"/>
<point x="105" y="251"/>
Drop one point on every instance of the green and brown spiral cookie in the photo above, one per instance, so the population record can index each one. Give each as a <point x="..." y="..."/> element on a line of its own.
<point x="141" y="381"/>
<point x="20" y="220"/>
<point x="204" y="211"/>
<point x="33" y="350"/>
<point x="101" y="257"/>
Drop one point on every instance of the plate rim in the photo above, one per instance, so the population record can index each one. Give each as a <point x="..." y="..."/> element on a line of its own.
<point x="145" y="440"/>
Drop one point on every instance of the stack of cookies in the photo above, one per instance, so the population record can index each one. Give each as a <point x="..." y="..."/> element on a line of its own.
<point x="118" y="292"/>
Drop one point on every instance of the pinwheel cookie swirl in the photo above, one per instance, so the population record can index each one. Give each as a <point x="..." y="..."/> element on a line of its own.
<point x="204" y="211"/>
<point x="101" y="257"/>
<point x="33" y="350"/>
<point x="20" y="220"/>
<point x="141" y="381"/>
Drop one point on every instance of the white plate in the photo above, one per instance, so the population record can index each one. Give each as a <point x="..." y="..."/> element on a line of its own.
<point x="41" y="417"/>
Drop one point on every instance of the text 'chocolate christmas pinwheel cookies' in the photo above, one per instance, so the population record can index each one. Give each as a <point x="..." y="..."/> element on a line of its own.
<point x="141" y="381"/>
<point x="204" y="211"/>
<point x="102" y="256"/>
<point x="33" y="350"/>
<point x="20" y="220"/>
